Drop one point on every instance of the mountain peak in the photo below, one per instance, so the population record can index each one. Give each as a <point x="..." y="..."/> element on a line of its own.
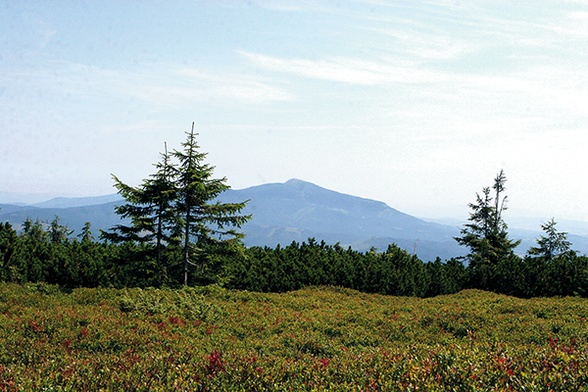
<point x="296" y="181"/>
<point x="304" y="187"/>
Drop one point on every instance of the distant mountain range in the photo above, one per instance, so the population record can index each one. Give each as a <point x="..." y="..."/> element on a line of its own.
<point x="292" y="211"/>
<point x="101" y="216"/>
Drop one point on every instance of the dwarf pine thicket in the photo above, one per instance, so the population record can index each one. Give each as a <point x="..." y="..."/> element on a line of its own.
<point x="31" y="256"/>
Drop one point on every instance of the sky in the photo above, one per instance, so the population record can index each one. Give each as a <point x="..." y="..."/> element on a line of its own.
<point x="418" y="104"/>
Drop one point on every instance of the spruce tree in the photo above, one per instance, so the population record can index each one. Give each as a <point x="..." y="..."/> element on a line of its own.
<point x="86" y="236"/>
<point x="551" y="245"/>
<point x="58" y="233"/>
<point x="161" y="191"/>
<point x="177" y="207"/>
<point x="203" y="218"/>
<point x="8" y="244"/>
<point x="150" y="208"/>
<point x="486" y="234"/>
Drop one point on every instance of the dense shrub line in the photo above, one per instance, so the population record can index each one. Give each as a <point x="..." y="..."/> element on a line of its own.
<point x="39" y="254"/>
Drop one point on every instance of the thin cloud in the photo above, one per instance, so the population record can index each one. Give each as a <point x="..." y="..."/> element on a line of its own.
<point x="574" y="27"/>
<point x="288" y="5"/>
<point x="423" y="46"/>
<point x="163" y="85"/>
<point x="344" y="69"/>
<point x="238" y="87"/>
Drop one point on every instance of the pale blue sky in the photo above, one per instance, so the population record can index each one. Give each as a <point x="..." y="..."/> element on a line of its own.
<point x="415" y="103"/>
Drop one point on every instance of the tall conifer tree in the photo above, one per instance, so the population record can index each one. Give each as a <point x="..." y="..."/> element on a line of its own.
<point x="204" y="219"/>
<point x="487" y="234"/>
<point x="178" y="206"/>
<point x="151" y="210"/>
<point x="161" y="191"/>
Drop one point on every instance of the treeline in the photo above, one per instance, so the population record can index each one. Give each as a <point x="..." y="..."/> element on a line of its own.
<point x="180" y="234"/>
<point x="49" y="253"/>
<point x="392" y="272"/>
<point x="396" y="272"/>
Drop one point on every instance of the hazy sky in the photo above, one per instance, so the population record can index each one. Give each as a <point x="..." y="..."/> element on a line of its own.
<point x="415" y="103"/>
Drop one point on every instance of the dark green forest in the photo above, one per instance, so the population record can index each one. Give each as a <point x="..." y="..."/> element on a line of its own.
<point x="180" y="235"/>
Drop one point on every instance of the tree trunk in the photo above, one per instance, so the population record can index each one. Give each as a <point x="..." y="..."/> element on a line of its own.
<point x="186" y="247"/>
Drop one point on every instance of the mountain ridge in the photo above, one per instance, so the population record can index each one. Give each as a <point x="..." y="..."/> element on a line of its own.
<point x="295" y="210"/>
<point x="69" y="202"/>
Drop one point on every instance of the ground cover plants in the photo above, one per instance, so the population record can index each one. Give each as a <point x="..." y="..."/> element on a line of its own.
<point x="324" y="338"/>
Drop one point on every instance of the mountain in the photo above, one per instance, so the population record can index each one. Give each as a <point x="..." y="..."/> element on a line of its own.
<point x="282" y="212"/>
<point x="101" y="216"/>
<point x="296" y="211"/>
<point x="68" y="202"/>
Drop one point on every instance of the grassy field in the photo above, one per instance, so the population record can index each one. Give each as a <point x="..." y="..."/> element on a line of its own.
<point x="325" y="338"/>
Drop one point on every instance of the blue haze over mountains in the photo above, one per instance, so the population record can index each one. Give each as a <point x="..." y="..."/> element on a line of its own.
<point x="295" y="211"/>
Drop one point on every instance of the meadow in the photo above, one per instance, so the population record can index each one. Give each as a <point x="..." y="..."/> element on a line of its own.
<point x="313" y="339"/>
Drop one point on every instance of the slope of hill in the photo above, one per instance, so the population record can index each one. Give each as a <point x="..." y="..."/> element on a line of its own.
<point x="297" y="210"/>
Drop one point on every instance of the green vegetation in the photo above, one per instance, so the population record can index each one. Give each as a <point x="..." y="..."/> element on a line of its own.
<point x="34" y="255"/>
<point x="487" y="234"/>
<point x="179" y="234"/>
<point x="326" y="338"/>
<point x="176" y="208"/>
<point x="122" y="313"/>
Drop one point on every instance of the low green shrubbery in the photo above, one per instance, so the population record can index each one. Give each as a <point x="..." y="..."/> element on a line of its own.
<point x="324" y="338"/>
